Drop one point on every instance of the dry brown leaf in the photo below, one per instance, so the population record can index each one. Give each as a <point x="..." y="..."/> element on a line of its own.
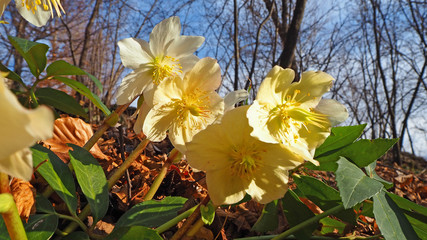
<point x="24" y="194"/>
<point x="75" y="131"/>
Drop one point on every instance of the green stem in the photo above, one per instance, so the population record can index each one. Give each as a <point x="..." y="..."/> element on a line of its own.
<point x="10" y="211"/>
<point x="74" y="219"/>
<point x="308" y="222"/>
<point x="113" y="179"/>
<point x="159" y="178"/>
<point x="175" y="220"/>
<point x="195" y="228"/>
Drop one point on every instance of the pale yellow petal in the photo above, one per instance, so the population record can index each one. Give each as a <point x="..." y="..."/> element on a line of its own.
<point x="162" y="35"/>
<point x="143" y="112"/>
<point x="205" y="75"/>
<point x="134" y="52"/>
<point x="278" y="155"/>
<point x="268" y="184"/>
<point x="169" y="89"/>
<point x="258" y="117"/>
<point x="157" y="122"/>
<point x="312" y="85"/>
<point x="133" y="85"/>
<point x="337" y="113"/>
<point x="274" y="86"/>
<point x="39" y="18"/>
<point x="234" y="97"/>
<point x="19" y="164"/>
<point x="183" y="46"/>
<point x="224" y="188"/>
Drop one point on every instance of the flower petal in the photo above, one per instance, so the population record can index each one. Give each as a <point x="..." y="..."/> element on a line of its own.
<point x="274" y="86"/>
<point x="39" y="18"/>
<point x="258" y="117"/>
<point x="169" y="89"/>
<point x="3" y="5"/>
<point x="224" y="188"/>
<point x="162" y="35"/>
<point x="205" y="76"/>
<point x="278" y="155"/>
<point x="337" y="113"/>
<point x="234" y="97"/>
<point x="158" y="121"/>
<point x="268" y="184"/>
<point x="312" y="85"/>
<point x="134" y="52"/>
<point x="183" y="46"/>
<point x="18" y="164"/>
<point x="133" y="85"/>
<point x="187" y="63"/>
<point x="143" y="112"/>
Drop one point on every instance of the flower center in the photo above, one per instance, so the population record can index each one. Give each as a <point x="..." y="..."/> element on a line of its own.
<point x="164" y="67"/>
<point x="291" y="117"/>
<point x="32" y="5"/>
<point x="245" y="160"/>
<point x="191" y="107"/>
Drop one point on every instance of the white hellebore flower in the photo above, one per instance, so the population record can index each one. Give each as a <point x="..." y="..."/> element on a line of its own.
<point x="237" y="163"/>
<point x="294" y="113"/>
<point x="168" y="54"/>
<point x="20" y="128"/>
<point x="36" y="12"/>
<point x="185" y="106"/>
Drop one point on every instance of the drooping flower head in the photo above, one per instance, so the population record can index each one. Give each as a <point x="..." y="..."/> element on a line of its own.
<point x="167" y="54"/>
<point x="294" y="113"/>
<point x="20" y="128"/>
<point x="185" y="106"/>
<point x="237" y="163"/>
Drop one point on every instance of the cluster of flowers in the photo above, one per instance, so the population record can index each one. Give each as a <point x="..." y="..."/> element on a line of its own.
<point x="248" y="149"/>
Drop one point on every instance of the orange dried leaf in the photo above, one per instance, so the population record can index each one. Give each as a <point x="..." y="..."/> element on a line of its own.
<point x="75" y="131"/>
<point x="24" y="194"/>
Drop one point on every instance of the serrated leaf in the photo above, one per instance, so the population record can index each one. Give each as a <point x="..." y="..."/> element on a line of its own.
<point x="57" y="174"/>
<point x="323" y="196"/>
<point x="364" y="152"/>
<point x="416" y="214"/>
<point x="207" y="213"/>
<point x="390" y="219"/>
<point x="60" y="100"/>
<point x="41" y="226"/>
<point x="82" y="89"/>
<point x="152" y="213"/>
<point x="11" y="74"/>
<point x="135" y="232"/>
<point x="353" y="184"/>
<point x="370" y="171"/>
<point x="340" y="137"/>
<point x="268" y="221"/>
<point x="34" y="53"/>
<point x="297" y="212"/>
<point x="91" y="179"/>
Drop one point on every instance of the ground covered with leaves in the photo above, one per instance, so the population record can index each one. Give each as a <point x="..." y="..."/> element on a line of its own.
<point x="409" y="181"/>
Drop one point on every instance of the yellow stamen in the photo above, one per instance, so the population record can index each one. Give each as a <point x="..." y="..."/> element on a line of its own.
<point x="245" y="160"/>
<point x="164" y="67"/>
<point x="32" y="5"/>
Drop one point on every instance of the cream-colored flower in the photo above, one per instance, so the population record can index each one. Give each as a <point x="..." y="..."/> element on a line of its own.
<point x="36" y="12"/>
<point x="168" y="54"/>
<point x="20" y="128"/>
<point x="294" y="113"/>
<point x="237" y="163"/>
<point x="185" y="106"/>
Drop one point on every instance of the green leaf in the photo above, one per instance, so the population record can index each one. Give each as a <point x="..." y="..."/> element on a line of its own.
<point x="152" y="213"/>
<point x="43" y="205"/>
<point x="79" y="87"/>
<point x="60" y="100"/>
<point x="390" y="219"/>
<point x="41" y="226"/>
<point x="57" y="174"/>
<point x="370" y="170"/>
<point x="208" y="213"/>
<point x="268" y="221"/>
<point x="297" y="212"/>
<point x="34" y="53"/>
<point x="135" y="232"/>
<point x="353" y="184"/>
<point x="91" y="179"/>
<point x="330" y="226"/>
<point x="11" y="75"/>
<point x="323" y="196"/>
<point x="79" y="235"/>
<point x="364" y="152"/>
<point x="340" y="137"/>
<point x="63" y="68"/>
<point x="416" y="214"/>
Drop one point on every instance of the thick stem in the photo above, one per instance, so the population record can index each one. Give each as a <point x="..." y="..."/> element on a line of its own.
<point x="11" y="216"/>
<point x="175" y="220"/>
<point x="308" y="222"/>
<point x="195" y="228"/>
<point x="190" y="220"/>
<point x="159" y="178"/>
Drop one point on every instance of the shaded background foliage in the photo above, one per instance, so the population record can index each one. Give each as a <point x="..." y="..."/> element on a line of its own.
<point x="375" y="49"/>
